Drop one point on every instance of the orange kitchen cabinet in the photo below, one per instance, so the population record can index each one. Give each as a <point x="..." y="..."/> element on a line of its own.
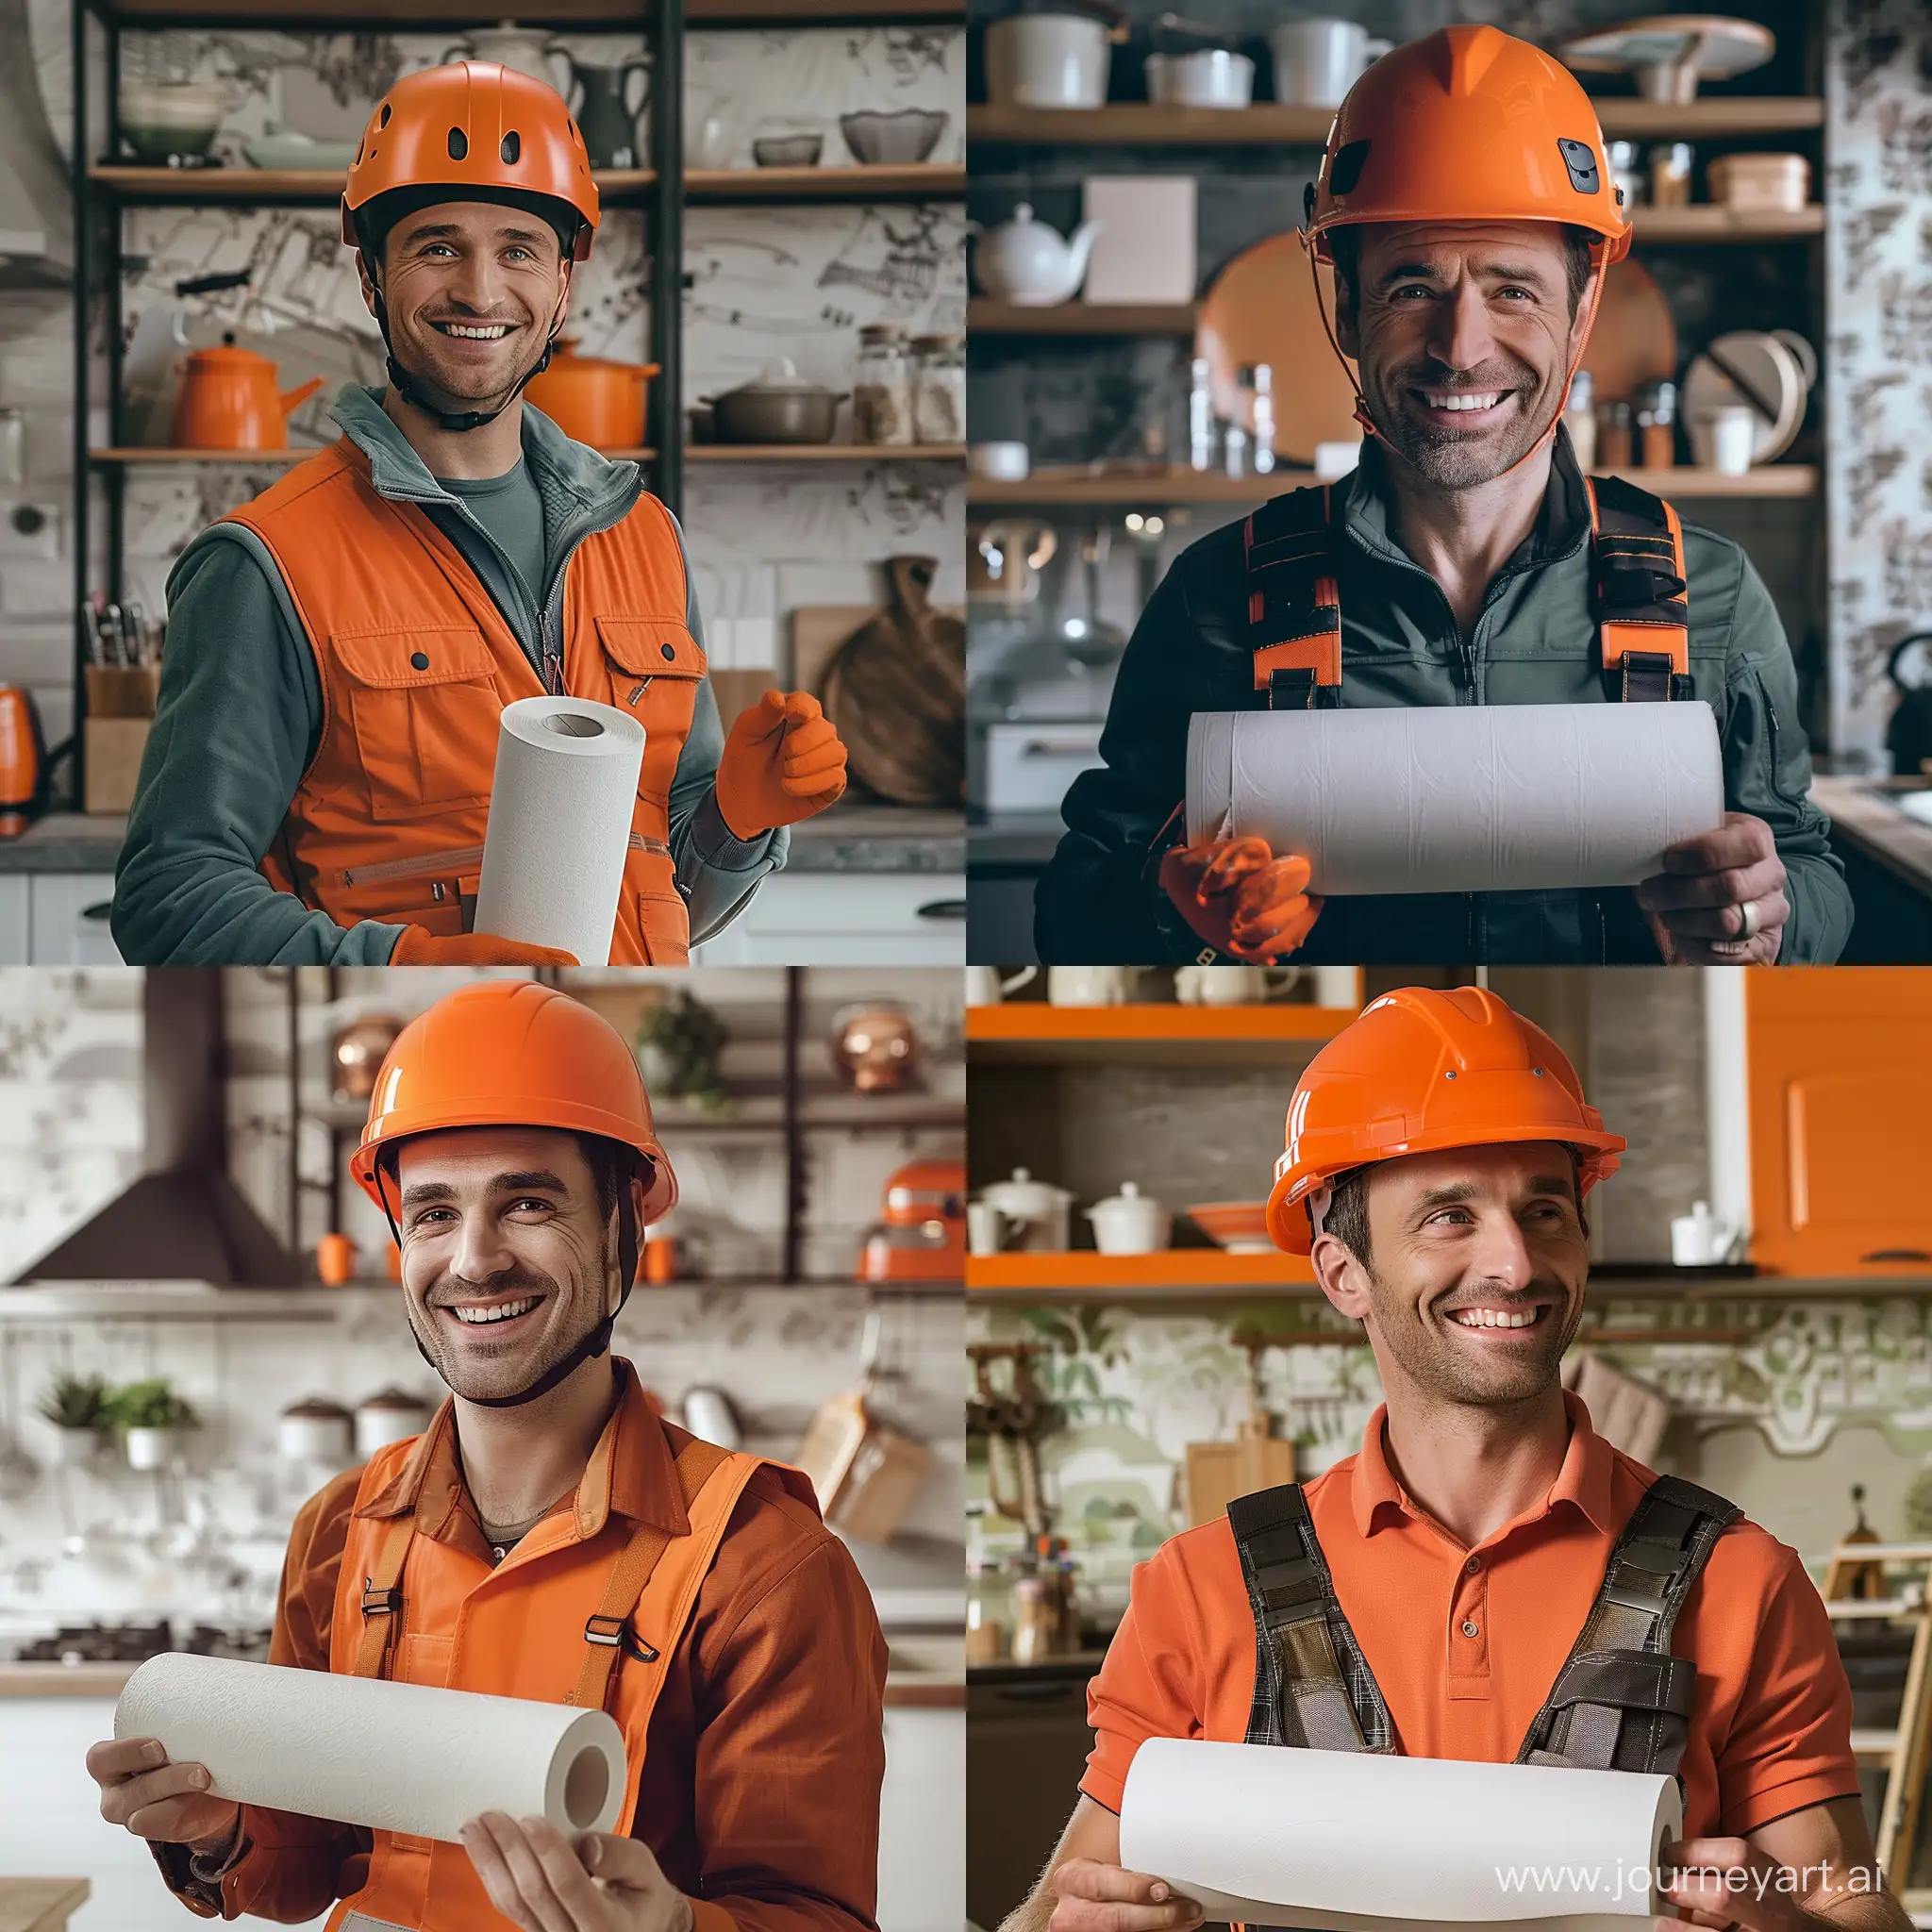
<point x="1840" y="1082"/>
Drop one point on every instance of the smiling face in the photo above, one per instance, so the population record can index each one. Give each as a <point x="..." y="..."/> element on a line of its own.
<point x="475" y="293"/>
<point x="1463" y="334"/>
<point x="508" y="1257"/>
<point x="1476" y="1263"/>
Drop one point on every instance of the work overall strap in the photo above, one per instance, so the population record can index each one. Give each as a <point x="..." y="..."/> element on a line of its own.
<point x="1295" y="605"/>
<point x="1621" y="1702"/>
<point x="1314" y="1688"/>
<point x="1639" y="592"/>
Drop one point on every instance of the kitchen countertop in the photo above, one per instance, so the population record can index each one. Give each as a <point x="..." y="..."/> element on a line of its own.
<point x="1864" y="817"/>
<point x="40" y="1904"/>
<point x="1014" y="838"/>
<point x="65" y="842"/>
<point x="879" y="838"/>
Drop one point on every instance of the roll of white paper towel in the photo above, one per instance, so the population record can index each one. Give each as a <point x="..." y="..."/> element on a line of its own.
<point x="1460" y="798"/>
<point x="560" y="824"/>
<point x="1358" y="1842"/>
<point x="366" y="1751"/>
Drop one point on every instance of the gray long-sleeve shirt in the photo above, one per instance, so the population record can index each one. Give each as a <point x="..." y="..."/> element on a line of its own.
<point x="241" y="715"/>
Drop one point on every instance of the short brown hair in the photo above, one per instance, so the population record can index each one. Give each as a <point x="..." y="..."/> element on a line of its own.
<point x="1347" y="1218"/>
<point x="1345" y="245"/>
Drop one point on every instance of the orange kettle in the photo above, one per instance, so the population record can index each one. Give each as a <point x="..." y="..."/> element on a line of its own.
<point x="592" y="400"/>
<point x="228" y="400"/>
<point x="20" y="759"/>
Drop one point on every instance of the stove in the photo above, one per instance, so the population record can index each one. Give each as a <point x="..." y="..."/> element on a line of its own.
<point x="133" y="1644"/>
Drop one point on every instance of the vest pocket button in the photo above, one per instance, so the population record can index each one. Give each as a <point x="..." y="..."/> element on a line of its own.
<point x="669" y="652"/>
<point x="419" y="660"/>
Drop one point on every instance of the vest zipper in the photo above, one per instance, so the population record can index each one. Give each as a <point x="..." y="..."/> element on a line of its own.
<point x="552" y="656"/>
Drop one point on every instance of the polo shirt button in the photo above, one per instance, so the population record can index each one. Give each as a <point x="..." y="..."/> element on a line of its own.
<point x="1468" y="1628"/>
<point x="420" y="660"/>
<point x="1474" y="1564"/>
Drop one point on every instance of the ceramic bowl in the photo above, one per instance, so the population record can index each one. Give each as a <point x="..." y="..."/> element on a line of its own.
<point x="298" y="151"/>
<point x="787" y="150"/>
<point x="1240" y="1227"/>
<point x="893" y="140"/>
<point x="164" y="119"/>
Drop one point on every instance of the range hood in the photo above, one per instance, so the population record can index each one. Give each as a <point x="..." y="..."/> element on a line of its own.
<point x="184" y="1220"/>
<point x="36" y="208"/>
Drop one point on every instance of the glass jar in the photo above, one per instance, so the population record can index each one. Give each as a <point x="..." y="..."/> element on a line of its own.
<point x="1579" y="417"/>
<point x="1655" y="406"/>
<point x="1670" y="174"/>
<point x="881" y="390"/>
<point x="1036" y="1619"/>
<point x="938" y="388"/>
<point x="1614" y="429"/>
<point x="1626" y="176"/>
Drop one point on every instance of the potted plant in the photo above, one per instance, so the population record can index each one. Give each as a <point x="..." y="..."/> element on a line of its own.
<point x="76" y="1406"/>
<point x="149" y="1414"/>
<point x="680" y="1043"/>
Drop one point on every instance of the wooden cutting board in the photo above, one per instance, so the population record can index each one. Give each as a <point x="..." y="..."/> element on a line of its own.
<point x="817" y="631"/>
<point x="1219" y="1472"/>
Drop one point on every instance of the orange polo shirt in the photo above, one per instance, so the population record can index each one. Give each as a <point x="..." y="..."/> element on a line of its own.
<point x="1771" y="1729"/>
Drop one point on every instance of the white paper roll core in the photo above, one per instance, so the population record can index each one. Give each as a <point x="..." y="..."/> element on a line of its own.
<point x="1460" y="798"/>
<point x="560" y="824"/>
<point x="367" y="1751"/>
<point x="1359" y="1842"/>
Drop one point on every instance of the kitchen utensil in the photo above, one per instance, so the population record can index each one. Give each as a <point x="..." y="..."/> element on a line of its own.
<point x="1240" y="1227"/>
<point x="787" y="150"/>
<point x="391" y="1415"/>
<point x="606" y="114"/>
<point x="999" y="462"/>
<point x="896" y="691"/>
<point x="170" y="120"/>
<point x="893" y="140"/>
<point x="335" y="1259"/>
<point x="778" y="407"/>
<point x="1635" y="339"/>
<point x="1261" y="309"/>
<point x="874" y="1045"/>
<point x="1036" y="1210"/>
<point x="1084" y="635"/>
<point x="1144" y="249"/>
<point x="1668" y="53"/>
<point x="1130" y="1222"/>
<point x="358" y="1051"/>
<point x="1207" y="77"/>
<point x="1003" y="560"/>
<point x="527" y="49"/>
<point x="283" y="148"/>
<point x="1699" y="1238"/>
<point x="708" y="1414"/>
<point x="920" y="1233"/>
<point x="316" y="1430"/>
<point x="985" y="988"/>
<point x="1762" y="184"/>
<point x="1030" y="264"/>
<point x="229" y="400"/>
<point x="1908" y="737"/>
<point x="864" y="1470"/>
<point x="594" y="400"/>
<point x="1754" y="368"/>
<point x="1231" y="985"/>
<point x="1051" y="59"/>
<point x="1317" y="62"/>
<point x="1733" y="432"/>
<point x="1090" y="986"/>
<point x="987" y="1228"/>
<point x="23" y="758"/>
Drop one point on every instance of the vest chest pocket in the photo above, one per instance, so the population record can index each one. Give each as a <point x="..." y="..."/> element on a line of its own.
<point x="420" y="706"/>
<point x="655" y="667"/>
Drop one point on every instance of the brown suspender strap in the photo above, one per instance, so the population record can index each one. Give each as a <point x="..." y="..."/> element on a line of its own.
<point x="1294" y="603"/>
<point x="609" y="1628"/>
<point x="1639" y="590"/>
<point x="382" y="1600"/>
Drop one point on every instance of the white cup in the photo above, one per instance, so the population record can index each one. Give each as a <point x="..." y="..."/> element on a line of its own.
<point x="1334" y="461"/>
<point x="1231" y="986"/>
<point x="985" y="988"/>
<point x="1317" y="62"/>
<point x="1733" y="438"/>
<point x="1699" y="1238"/>
<point x="999" y="462"/>
<point x="1047" y="61"/>
<point x="1089" y="986"/>
<point x="1209" y="78"/>
<point x="986" y="1228"/>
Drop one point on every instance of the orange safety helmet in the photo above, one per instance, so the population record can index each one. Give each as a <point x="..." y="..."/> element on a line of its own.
<point x="1419" y="1070"/>
<point x="483" y="131"/>
<point x="512" y="1054"/>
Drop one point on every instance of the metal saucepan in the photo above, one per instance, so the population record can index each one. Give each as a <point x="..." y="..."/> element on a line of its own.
<point x="775" y="410"/>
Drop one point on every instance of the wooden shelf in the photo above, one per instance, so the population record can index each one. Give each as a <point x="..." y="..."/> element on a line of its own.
<point x="1131" y="488"/>
<point x="1269" y="123"/>
<point x="987" y="318"/>
<point x="1038" y="1033"/>
<point x="1085" y="1274"/>
<point x="717" y="453"/>
<point x="616" y="16"/>
<point x="767" y="13"/>
<point x="744" y="186"/>
<point x="1707" y="221"/>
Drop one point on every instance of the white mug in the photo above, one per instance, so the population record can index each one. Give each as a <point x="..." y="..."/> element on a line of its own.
<point x="1090" y="986"/>
<point x="1733" y="438"/>
<point x="1047" y="61"/>
<point x="1317" y="62"/>
<point x="1231" y="986"/>
<point x="986" y="1228"/>
<point x="985" y="988"/>
<point x="1699" y="1238"/>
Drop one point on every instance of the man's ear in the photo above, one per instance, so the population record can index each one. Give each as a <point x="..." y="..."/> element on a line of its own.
<point x="1341" y="1276"/>
<point x="367" y="281"/>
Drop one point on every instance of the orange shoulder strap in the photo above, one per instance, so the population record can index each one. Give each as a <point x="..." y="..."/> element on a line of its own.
<point x="1294" y="602"/>
<point x="1639" y="590"/>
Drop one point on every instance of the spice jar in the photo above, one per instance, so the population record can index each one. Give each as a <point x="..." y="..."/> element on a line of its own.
<point x="1579" y="418"/>
<point x="1036" y="1618"/>
<point x="1613" y="437"/>
<point x="1655" y="406"/>
<point x="938" y="388"/>
<point x="1670" y="174"/>
<point x="881" y="390"/>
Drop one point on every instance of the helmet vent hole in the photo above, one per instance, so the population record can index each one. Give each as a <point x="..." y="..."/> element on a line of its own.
<point x="512" y="147"/>
<point x="459" y="144"/>
<point x="1346" y="171"/>
<point x="384" y="121"/>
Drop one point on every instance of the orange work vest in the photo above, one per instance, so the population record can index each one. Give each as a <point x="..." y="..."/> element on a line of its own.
<point x="416" y="664"/>
<point x="564" y="1619"/>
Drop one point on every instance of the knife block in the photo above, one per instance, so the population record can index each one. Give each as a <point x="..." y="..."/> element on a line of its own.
<point x="120" y="712"/>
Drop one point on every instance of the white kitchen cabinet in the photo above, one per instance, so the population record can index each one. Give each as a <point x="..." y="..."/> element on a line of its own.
<point x="16" y="919"/>
<point x="847" y="919"/>
<point x="69" y="919"/>
<point x="923" y="1822"/>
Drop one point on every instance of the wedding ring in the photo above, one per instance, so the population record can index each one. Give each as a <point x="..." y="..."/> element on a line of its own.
<point x="1749" y="929"/>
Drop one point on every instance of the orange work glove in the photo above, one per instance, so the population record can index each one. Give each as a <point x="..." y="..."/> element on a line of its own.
<point x="1239" y="897"/>
<point x="421" y="947"/>
<point x="782" y="762"/>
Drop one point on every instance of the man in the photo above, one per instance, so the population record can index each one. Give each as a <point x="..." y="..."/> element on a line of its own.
<point x="1465" y="203"/>
<point x="317" y="784"/>
<point x="1496" y="1566"/>
<point x="509" y="1143"/>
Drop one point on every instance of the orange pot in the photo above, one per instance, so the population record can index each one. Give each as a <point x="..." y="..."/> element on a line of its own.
<point x="19" y="760"/>
<point x="594" y="401"/>
<point x="228" y="400"/>
<point x="335" y="1259"/>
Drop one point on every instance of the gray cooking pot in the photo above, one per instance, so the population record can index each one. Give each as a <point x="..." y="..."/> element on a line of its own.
<point x="775" y="410"/>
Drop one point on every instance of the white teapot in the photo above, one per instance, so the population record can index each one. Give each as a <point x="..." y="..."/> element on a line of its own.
<point x="1030" y="264"/>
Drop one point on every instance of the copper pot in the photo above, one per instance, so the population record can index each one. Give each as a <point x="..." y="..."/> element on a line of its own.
<point x="358" y="1053"/>
<point x="592" y="400"/>
<point x="876" y="1045"/>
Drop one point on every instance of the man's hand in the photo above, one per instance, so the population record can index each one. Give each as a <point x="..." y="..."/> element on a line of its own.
<point x="1103" y="1898"/>
<point x="538" y="1881"/>
<point x="417" y="946"/>
<point x="1720" y="900"/>
<point x="155" y="1799"/>
<point x="782" y="761"/>
<point x="1735" y="1884"/>
<point x="1239" y="897"/>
